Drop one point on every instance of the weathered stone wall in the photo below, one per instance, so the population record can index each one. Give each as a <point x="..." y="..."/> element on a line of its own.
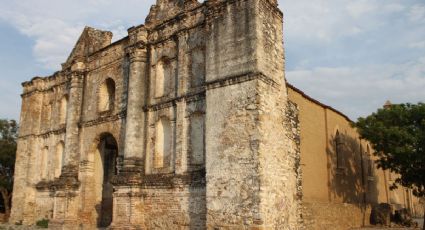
<point x="40" y="134"/>
<point x="188" y="121"/>
<point x="194" y="105"/>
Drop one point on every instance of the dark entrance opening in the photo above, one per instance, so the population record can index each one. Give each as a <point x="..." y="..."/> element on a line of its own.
<point x="108" y="152"/>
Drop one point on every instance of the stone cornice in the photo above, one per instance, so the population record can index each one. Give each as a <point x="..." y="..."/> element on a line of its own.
<point x="195" y="178"/>
<point x="45" y="134"/>
<point x="169" y="180"/>
<point x="103" y="119"/>
<point x="45" y="90"/>
<point x="193" y="96"/>
<point x="240" y="78"/>
<point x="199" y="93"/>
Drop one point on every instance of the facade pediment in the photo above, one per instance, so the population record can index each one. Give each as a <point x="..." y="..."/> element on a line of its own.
<point x="167" y="9"/>
<point x="90" y="41"/>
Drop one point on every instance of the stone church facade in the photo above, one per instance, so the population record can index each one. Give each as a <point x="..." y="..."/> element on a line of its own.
<point x="186" y="123"/>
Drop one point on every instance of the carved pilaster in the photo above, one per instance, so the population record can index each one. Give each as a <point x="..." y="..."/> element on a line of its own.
<point x="127" y="184"/>
<point x="76" y="80"/>
<point x="135" y="128"/>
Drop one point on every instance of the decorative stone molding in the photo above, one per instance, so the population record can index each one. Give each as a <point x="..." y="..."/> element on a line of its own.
<point x="68" y="180"/>
<point x="137" y="52"/>
<point x="130" y="173"/>
<point x="77" y="79"/>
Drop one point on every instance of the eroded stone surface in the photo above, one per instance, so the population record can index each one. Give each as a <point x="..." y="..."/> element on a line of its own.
<point x="187" y="119"/>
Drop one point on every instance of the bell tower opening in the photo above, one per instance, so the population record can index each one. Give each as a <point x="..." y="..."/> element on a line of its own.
<point x="106" y="168"/>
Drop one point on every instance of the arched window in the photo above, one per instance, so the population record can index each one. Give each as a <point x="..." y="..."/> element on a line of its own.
<point x="197" y="138"/>
<point x="59" y="158"/>
<point x="106" y="97"/>
<point x="162" y="142"/>
<point x="339" y="150"/>
<point x="63" y="109"/>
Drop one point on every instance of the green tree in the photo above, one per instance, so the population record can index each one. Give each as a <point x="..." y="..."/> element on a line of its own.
<point x="397" y="134"/>
<point x="8" y="135"/>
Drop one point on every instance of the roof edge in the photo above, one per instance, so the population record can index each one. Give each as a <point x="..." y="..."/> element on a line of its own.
<point x="318" y="102"/>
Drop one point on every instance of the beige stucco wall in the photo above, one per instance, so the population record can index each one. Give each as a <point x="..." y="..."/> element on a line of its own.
<point x="346" y="191"/>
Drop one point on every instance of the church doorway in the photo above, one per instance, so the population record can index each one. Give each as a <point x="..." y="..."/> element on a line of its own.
<point x="106" y="168"/>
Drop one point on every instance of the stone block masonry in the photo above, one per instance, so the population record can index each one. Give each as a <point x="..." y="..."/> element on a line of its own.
<point x="183" y="124"/>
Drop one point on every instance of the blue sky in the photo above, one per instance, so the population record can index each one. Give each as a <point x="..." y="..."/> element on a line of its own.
<point x="350" y="54"/>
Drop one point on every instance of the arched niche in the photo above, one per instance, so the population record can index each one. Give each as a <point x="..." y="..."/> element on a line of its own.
<point x="197" y="138"/>
<point x="59" y="158"/>
<point x="163" y="77"/>
<point x="44" y="162"/>
<point x="197" y="67"/>
<point x="106" y="95"/>
<point x="63" y="105"/>
<point x="163" y="141"/>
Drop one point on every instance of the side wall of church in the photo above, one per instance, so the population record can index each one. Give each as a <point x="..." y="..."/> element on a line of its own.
<point x="340" y="180"/>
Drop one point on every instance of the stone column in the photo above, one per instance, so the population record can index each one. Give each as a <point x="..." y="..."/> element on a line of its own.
<point x="137" y="87"/>
<point x="127" y="201"/>
<point x="65" y="211"/>
<point x="72" y="120"/>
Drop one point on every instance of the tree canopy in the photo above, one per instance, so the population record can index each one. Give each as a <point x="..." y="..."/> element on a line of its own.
<point x="397" y="134"/>
<point x="8" y="135"/>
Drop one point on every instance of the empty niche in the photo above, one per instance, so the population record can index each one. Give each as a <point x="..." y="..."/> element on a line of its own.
<point x="163" y="142"/>
<point x="197" y="68"/>
<point x="47" y="114"/>
<point x="62" y="109"/>
<point x="106" y="95"/>
<point x="59" y="158"/>
<point x="44" y="162"/>
<point x="197" y="138"/>
<point x="163" y="77"/>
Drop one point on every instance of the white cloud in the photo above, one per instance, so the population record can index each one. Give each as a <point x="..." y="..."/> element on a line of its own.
<point x="55" y="25"/>
<point x="393" y="8"/>
<point x="336" y="77"/>
<point x="420" y="45"/>
<point x="417" y="13"/>
<point x="329" y="20"/>
<point x="359" y="8"/>
<point x="358" y="91"/>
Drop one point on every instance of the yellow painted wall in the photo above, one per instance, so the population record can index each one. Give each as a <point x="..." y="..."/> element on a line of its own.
<point x="349" y="186"/>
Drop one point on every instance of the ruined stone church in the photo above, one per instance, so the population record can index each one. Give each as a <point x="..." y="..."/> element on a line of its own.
<point x="188" y="123"/>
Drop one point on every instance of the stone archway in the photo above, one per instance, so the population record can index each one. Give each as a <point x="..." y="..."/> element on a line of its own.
<point x="105" y="163"/>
